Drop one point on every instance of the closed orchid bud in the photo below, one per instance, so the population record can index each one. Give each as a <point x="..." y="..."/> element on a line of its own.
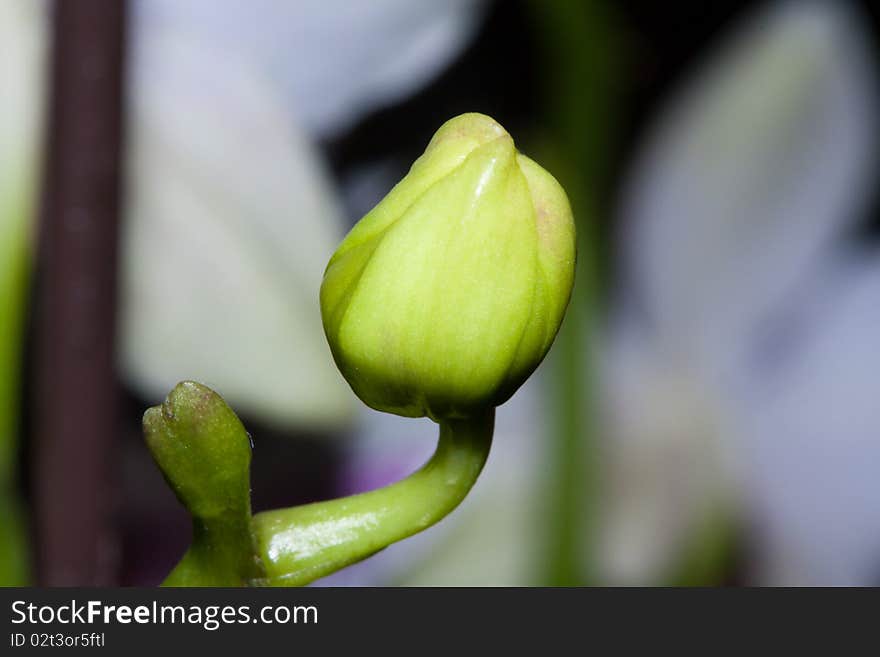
<point x="444" y="298"/>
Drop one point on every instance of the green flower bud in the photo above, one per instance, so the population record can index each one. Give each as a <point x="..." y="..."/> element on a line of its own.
<point x="446" y="296"/>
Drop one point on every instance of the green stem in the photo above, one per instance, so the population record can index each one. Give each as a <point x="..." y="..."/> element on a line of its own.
<point x="301" y="544"/>
<point x="581" y="56"/>
<point x="15" y="212"/>
<point x="221" y="554"/>
<point x="14" y="552"/>
<point x="204" y="453"/>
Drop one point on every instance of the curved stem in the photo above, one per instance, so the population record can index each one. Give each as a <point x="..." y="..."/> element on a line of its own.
<point x="301" y="544"/>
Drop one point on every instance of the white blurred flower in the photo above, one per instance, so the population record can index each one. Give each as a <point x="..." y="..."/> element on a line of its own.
<point x="733" y="222"/>
<point x="813" y="449"/>
<point x="229" y="222"/>
<point x="23" y="32"/>
<point x="334" y="60"/>
<point x="231" y="216"/>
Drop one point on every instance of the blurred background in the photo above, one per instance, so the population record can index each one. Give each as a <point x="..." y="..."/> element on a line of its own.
<point x="174" y="176"/>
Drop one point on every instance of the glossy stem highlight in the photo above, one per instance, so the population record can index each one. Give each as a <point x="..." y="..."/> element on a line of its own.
<point x="301" y="544"/>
